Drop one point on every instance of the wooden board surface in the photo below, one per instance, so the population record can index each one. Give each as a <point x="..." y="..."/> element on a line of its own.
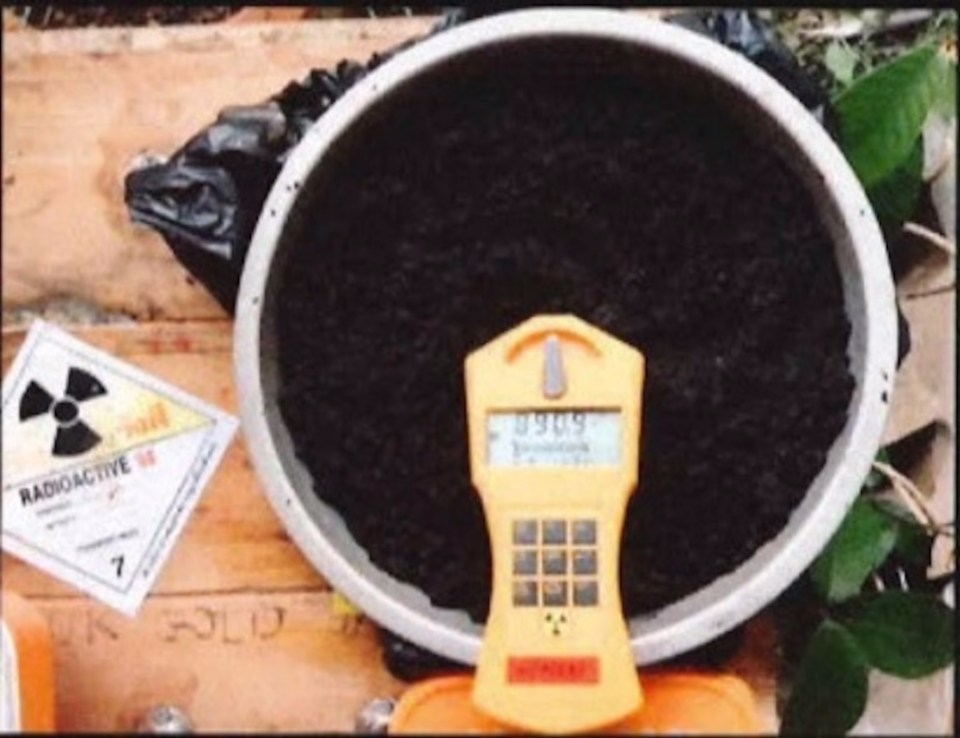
<point x="80" y="105"/>
<point x="239" y="629"/>
<point x="237" y="663"/>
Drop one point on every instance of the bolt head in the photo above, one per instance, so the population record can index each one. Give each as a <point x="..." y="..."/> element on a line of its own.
<point x="166" y="719"/>
<point x="375" y="716"/>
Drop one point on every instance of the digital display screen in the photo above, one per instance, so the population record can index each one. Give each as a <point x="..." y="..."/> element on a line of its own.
<point x="554" y="438"/>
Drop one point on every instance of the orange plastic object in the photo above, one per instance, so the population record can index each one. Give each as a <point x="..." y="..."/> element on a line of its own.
<point x="675" y="702"/>
<point x="27" y="669"/>
<point x="554" y="418"/>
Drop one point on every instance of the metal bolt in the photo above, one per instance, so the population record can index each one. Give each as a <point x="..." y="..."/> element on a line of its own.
<point x="166" y="719"/>
<point x="375" y="716"/>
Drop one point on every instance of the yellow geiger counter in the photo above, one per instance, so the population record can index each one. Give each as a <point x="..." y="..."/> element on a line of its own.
<point x="554" y="409"/>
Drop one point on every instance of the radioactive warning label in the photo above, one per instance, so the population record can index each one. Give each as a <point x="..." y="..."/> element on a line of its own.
<point x="102" y="465"/>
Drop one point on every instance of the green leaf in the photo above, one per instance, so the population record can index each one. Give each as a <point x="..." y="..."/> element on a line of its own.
<point x="908" y="634"/>
<point x="881" y="115"/>
<point x="841" y="61"/>
<point x="876" y="479"/>
<point x="914" y="544"/>
<point x="914" y="541"/>
<point x="894" y="509"/>
<point x="895" y="197"/>
<point x="946" y="102"/>
<point x="861" y="544"/>
<point x="829" y="690"/>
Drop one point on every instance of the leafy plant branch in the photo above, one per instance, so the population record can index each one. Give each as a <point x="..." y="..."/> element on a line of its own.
<point x="909" y="634"/>
<point x="858" y="622"/>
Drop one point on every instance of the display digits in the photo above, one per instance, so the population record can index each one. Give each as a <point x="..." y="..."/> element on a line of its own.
<point x="558" y="423"/>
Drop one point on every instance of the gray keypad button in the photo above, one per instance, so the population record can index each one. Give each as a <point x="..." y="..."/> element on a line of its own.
<point x="524" y="593"/>
<point x="554" y="531"/>
<point x="555" y="593"/>
<point x="525" y="532"/>
<point x="554" y="561"/>
<point x="585" y="593"/>
<point x="585" y="562"/>
<point x="584" y="531"/>
<point x="525" y="562"/>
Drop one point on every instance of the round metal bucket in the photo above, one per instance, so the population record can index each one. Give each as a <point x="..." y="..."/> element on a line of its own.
<point x="757" y="102"/>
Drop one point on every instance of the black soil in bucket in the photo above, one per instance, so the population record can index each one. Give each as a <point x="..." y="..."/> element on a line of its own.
<point x="560" y="179"/>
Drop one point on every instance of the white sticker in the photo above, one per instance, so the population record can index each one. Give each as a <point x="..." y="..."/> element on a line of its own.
<point x="102" y="465"/>
<point x="9" y="683"/>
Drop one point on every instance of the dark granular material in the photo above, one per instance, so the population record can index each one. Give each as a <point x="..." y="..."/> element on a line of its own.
<point x="539" y="184"/>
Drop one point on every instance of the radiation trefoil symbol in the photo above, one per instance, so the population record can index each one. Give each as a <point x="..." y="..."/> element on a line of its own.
<point x="74" y="437"/>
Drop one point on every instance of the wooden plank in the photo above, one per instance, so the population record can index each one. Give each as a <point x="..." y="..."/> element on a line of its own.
<point x="80" y="105"/>
<point x="233" y="540"/>
<point x="275" y="662"/>
<point x="237" y="663"/>
<point x="273" y="13"/>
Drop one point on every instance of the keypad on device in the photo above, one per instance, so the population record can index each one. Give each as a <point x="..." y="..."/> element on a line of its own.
<point x="555" y="562"/>
<point x="525" y="532"/>
<point x="554" y="593"/>
<point x="585" y="593"/>
<point x="525" y="562"/>
<point x="585" y="532"/>
<point x="584" y="561"/>
<point x="524" y="593"/>
<point x="554" y="531"/>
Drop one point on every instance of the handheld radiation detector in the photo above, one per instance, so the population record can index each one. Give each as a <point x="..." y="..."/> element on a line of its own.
<point x="553" y="410"/>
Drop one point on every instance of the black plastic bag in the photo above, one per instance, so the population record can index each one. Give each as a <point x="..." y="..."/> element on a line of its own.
<point x="206" y="199"/>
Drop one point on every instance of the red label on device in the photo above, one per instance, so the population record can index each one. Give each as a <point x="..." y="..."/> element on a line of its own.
<point x="553" y="670"/>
